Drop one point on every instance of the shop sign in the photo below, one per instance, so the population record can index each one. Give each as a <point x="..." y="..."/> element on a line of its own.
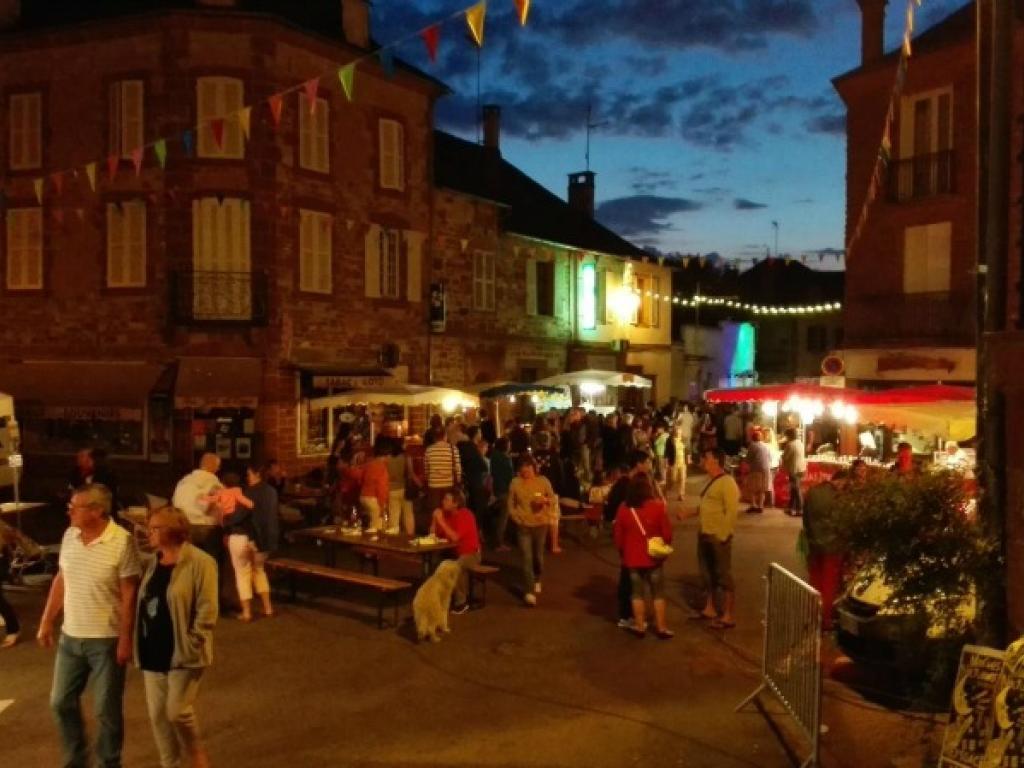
<point x="92" y="413"/>
<point x="351" y="382"/>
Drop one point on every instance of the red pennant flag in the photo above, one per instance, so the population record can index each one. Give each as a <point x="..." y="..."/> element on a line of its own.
<point x="217" y="128"/>
<point x="276" y="103"/>
<point x="57" y="179"/>
<point x="80" y="213"/>
<point x="312" y="87"/>
<point x="112" y="162"/>
<point x="137" y="160"/>
<point x="58" y="216"/>
<point x="431" y="37"/>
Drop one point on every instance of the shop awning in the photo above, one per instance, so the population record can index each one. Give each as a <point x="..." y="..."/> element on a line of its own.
<point x="514" y="389"/>
<point x="930" y="393"/>
<point x="218" y="382"/>
<point x="602" y="378"/>
<point x="781" y="393"/>
<point x="949" y="419"/>
<point x="401" y="394"/>
<point x="80" y="390"/>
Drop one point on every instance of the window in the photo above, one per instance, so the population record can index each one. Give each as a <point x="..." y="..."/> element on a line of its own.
<point x="393" y="265"/>
<point x="220" y="97"/>
<point x="389" y="264"/>
<point x="24" y="114"/>
<point x="222" y="268"/>
<point x="588" y="296"/>
<point x="315" y="231"/>
<point x="926" y="143"/>
<point x="926" y="252"/>
<point x="602" y="297"/>
<point x="817" y="338"/>
<point x="540" y="288"/>
<point x="126" y="244"/>
<point x="647" y="313"/>
<point x="483" y="280"/>
<point x="314" y="135"/>
<point x="126" y="117"/>
<point x="392" y="155"/>
<point x="24" y="249"/>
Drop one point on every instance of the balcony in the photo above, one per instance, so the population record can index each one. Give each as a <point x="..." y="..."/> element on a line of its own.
<point x="921" y="177"/>
<point x="218" y="298"/>
<point x="925" y="319"/>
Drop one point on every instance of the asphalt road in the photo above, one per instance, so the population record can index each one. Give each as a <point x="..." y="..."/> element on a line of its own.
<point x="558" y="685"/>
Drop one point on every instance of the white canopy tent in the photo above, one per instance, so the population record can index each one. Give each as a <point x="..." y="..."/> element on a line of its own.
<point x="598" y="378"/>
<point x="947" y="419"/>
<point x="6" y="412"/>
<point x="407" y="395"/>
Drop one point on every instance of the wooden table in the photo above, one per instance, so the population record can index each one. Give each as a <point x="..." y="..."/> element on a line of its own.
<point x="379" y="543"/>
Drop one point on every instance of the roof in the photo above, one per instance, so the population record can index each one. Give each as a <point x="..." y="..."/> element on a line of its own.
<point x="955" y="28"/>
<point x="790" y="283"/>
<point x="534" y="211"/>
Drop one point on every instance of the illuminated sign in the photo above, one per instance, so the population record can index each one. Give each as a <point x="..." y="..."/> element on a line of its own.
<point x="588" y="296"/>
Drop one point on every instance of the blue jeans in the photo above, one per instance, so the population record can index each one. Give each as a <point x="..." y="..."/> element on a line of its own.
<point x="531" y="546"/>
<point x="78" y="662"/>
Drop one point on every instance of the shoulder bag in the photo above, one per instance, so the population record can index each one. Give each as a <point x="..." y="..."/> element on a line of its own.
<point x="656" y="546"/>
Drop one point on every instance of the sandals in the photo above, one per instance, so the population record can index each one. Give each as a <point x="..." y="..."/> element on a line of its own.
<point x="664" y="634"/>
<point x="722" y="624"/>
<point x="638" y="631"/>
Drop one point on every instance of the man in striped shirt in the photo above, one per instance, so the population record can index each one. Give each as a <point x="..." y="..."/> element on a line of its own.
<point x="95" y="588"/>
<point x="443" y="469"/>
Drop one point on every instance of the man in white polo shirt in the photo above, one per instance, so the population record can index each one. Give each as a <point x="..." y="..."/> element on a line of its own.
<point x="95" y="588"/>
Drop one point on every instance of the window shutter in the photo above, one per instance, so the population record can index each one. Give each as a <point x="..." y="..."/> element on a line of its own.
<point x="305" y="133"/>
<point x="399" y="155"/>
<point x="478" y="280"/>
<point x="938" y="270"/>
<point x="231" y="104"/>
<point x="115" y="247"/>
<point x="321" y="146"/>
<point x="601" y="299"/>
<point x="25" y="248"/>
<point x="414" y="258"/>
<point x="305" y="251"/>
<point x="15" y="250"/>
<point x="33" y="131"/>
<point x="531" y="286"/>
<point x="136" y="244"/>
<point x="391" y="154"/>
<point x="114" y="145"/>
<point x="655" y="303"/>
<point x="132" y="111"/>
<point x="371" y="269"/>
<point x="915" y="260"/>
<point x="206" y="98"/>
<point x="16" y="132"/>
<point x="325" y="253"/>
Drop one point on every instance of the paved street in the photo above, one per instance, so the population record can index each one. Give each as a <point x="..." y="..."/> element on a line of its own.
<point x="555" y="686"/>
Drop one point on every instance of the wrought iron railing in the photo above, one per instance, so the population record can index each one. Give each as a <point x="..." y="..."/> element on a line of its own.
<point x="922" y="176"/>
<point x="218" y="298"/>
<point x="931" y="319"/>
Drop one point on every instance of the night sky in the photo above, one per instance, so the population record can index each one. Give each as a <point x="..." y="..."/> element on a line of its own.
<point x="716" y="117"/>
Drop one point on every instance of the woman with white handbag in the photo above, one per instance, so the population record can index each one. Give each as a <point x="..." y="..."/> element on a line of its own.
<point x="643" y="534"/>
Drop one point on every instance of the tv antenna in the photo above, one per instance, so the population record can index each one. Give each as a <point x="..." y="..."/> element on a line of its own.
<point x="591" y="125"/>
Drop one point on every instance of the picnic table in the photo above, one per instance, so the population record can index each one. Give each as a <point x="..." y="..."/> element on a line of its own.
<point x="404" y="546"/>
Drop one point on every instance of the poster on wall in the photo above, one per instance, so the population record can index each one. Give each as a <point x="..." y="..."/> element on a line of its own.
<point x="243" y="448"/>
<point x="1006" y="744"/>
<point x="971" y="711"/>
<point x="223" y="447"/>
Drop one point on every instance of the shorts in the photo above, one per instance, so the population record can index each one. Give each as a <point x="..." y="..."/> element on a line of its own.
<point x="652" y="578"/>
<point x="714" y="557"/>
<point x="759" y="481"/>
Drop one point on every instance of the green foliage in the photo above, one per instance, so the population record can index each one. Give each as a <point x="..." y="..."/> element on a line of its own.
<point x="923" y="534"/>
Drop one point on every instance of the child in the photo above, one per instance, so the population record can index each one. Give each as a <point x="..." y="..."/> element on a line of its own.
<point x="676" y="456"/>
<point x="229" y="496"/>
<point x="596" y="497"/>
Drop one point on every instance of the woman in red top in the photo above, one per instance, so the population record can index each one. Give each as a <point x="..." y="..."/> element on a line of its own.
<point x="639" y="518"/>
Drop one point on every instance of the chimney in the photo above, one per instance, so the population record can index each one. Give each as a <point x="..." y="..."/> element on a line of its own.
<point x="581" y="192"/>
<point x="355" y="21"/>
<point x="872" y="34"/>
<point x="10" y="13"/>
<point x="492" y="127"/>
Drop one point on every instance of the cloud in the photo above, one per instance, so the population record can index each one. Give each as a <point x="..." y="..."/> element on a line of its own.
<point x="646" y="181"/>
<point x="742" y="204"/>
<point x="642" y="215"/>
<point x="804" y="201"/>
<point x="833" y="124"/>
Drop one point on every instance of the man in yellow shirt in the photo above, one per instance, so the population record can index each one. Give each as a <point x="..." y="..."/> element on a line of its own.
<point x="719" y="505"/>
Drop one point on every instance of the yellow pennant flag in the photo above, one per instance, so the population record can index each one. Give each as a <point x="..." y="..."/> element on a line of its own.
<point x="245" y="121"/>
<point x="347" y="76"/>
<point x="90" y="172"/>
<point x="906" y="45"/>
<point x="475" y="21"/>
<point x="38" y="185"/>
<point x="523" y="10"/>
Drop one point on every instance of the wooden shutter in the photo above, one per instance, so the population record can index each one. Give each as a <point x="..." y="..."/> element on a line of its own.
<point x="531" y="286"/>
<point x="655" y="303"/>
<point x="131" y="116"/>
<point x="321" y="137"/>
<point x="135" y="241"/>
<point x="478" y="280"/>
<point x="115" y="247"/>
<point x="371" y="270"/>
<point x="114" y="146"/>
<point x="601" y="297"/>
<point x="391" y="155"/>
<point x="24" y="249"/>
<point x="414" y="257"/>
<point x="315" y="252"/>
<point x="220" y="97"/>
<point x="305" y="133"/>
<point x="25" y="126"/>
<point x="939" y="245"/>
<point x="306" y="252"/>
<point x="206" y="104"/>
<point x="324" y="253"/>
<point x="545" y="288"/>
<point x="232" y="102"/>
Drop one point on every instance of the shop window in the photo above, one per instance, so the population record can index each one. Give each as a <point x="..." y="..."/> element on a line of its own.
<point x="63" y="430"/>
<point x="314" y="135"/>
<point x="126" y="244"/>
<point x="126" y="117"/>
<point x="220" y="98"/>
<point x="24" y="131"/>
<point x="314" y="430"/>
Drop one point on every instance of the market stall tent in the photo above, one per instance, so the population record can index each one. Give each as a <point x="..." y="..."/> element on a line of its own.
<point x="407" y="395"/>
<point x="601" y="378"/>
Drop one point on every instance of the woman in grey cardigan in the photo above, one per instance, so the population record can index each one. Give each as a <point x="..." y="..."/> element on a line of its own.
<point x="177" y="610"/>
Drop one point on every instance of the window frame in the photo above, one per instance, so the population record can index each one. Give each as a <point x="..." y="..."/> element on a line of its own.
<point x="205" y="146"/>
<point x="119" y="144"/>
<point x="310" y="139"/>
<point x="389" y="236"/>
<point x="317" y="254"/>
<point x="123" y="206"/>
<point x="546" y="278"/>
<point x="399" y="155"/>
<point x="648" y="309"/>
<point x="29" y="163"/>
<point x="486" y="299"/>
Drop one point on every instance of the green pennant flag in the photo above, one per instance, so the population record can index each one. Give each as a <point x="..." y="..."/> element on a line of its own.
<point x="160" y="150"/>
<point x="347" y="76"/>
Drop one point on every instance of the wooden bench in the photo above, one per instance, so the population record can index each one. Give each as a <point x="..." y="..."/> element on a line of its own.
<point x="386" y="588"/>
<point x="480" y="574"/>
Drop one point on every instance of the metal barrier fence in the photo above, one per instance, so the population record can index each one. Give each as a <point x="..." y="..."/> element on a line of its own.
<point x="791" y="662"/>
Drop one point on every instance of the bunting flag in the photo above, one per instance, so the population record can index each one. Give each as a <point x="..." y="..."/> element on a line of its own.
<point x="312" y="88"/>
<point x="523" y="10"/>
<point x="686" y="262"/>
<point x="276" y="103"/>
<point x="432" y="38"/>
<point x="217" y="129"/>
<point x="57" y="179"/>
<point x="187" y="142"/>
<point x="112" y="162"/>
<point x="37" y="184"/>
<point x="80" y="214"/>
<point x="160" y="150"/>
<point x="245" y="121"/>
<point x="347" y="76"/>
<point x="58" y="216"/>
<point x="90" y="172"/>
<point x="475" y="21"/>
<point x="137" y="159"/>
<point x="387" y="61"/>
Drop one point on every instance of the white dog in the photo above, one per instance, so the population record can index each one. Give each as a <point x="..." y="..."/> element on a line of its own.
<point x="430" y="606"/>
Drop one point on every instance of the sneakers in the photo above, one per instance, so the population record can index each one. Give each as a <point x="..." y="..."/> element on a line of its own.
<point x="625" y="624"/>
<point x="460" y="609"/>
<point x="530" y="600"/>
<point x="536" y="588"/>
<point x="9" y="641"/>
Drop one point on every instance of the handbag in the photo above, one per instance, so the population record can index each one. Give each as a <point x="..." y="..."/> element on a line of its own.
<point x="656" y="546"/>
